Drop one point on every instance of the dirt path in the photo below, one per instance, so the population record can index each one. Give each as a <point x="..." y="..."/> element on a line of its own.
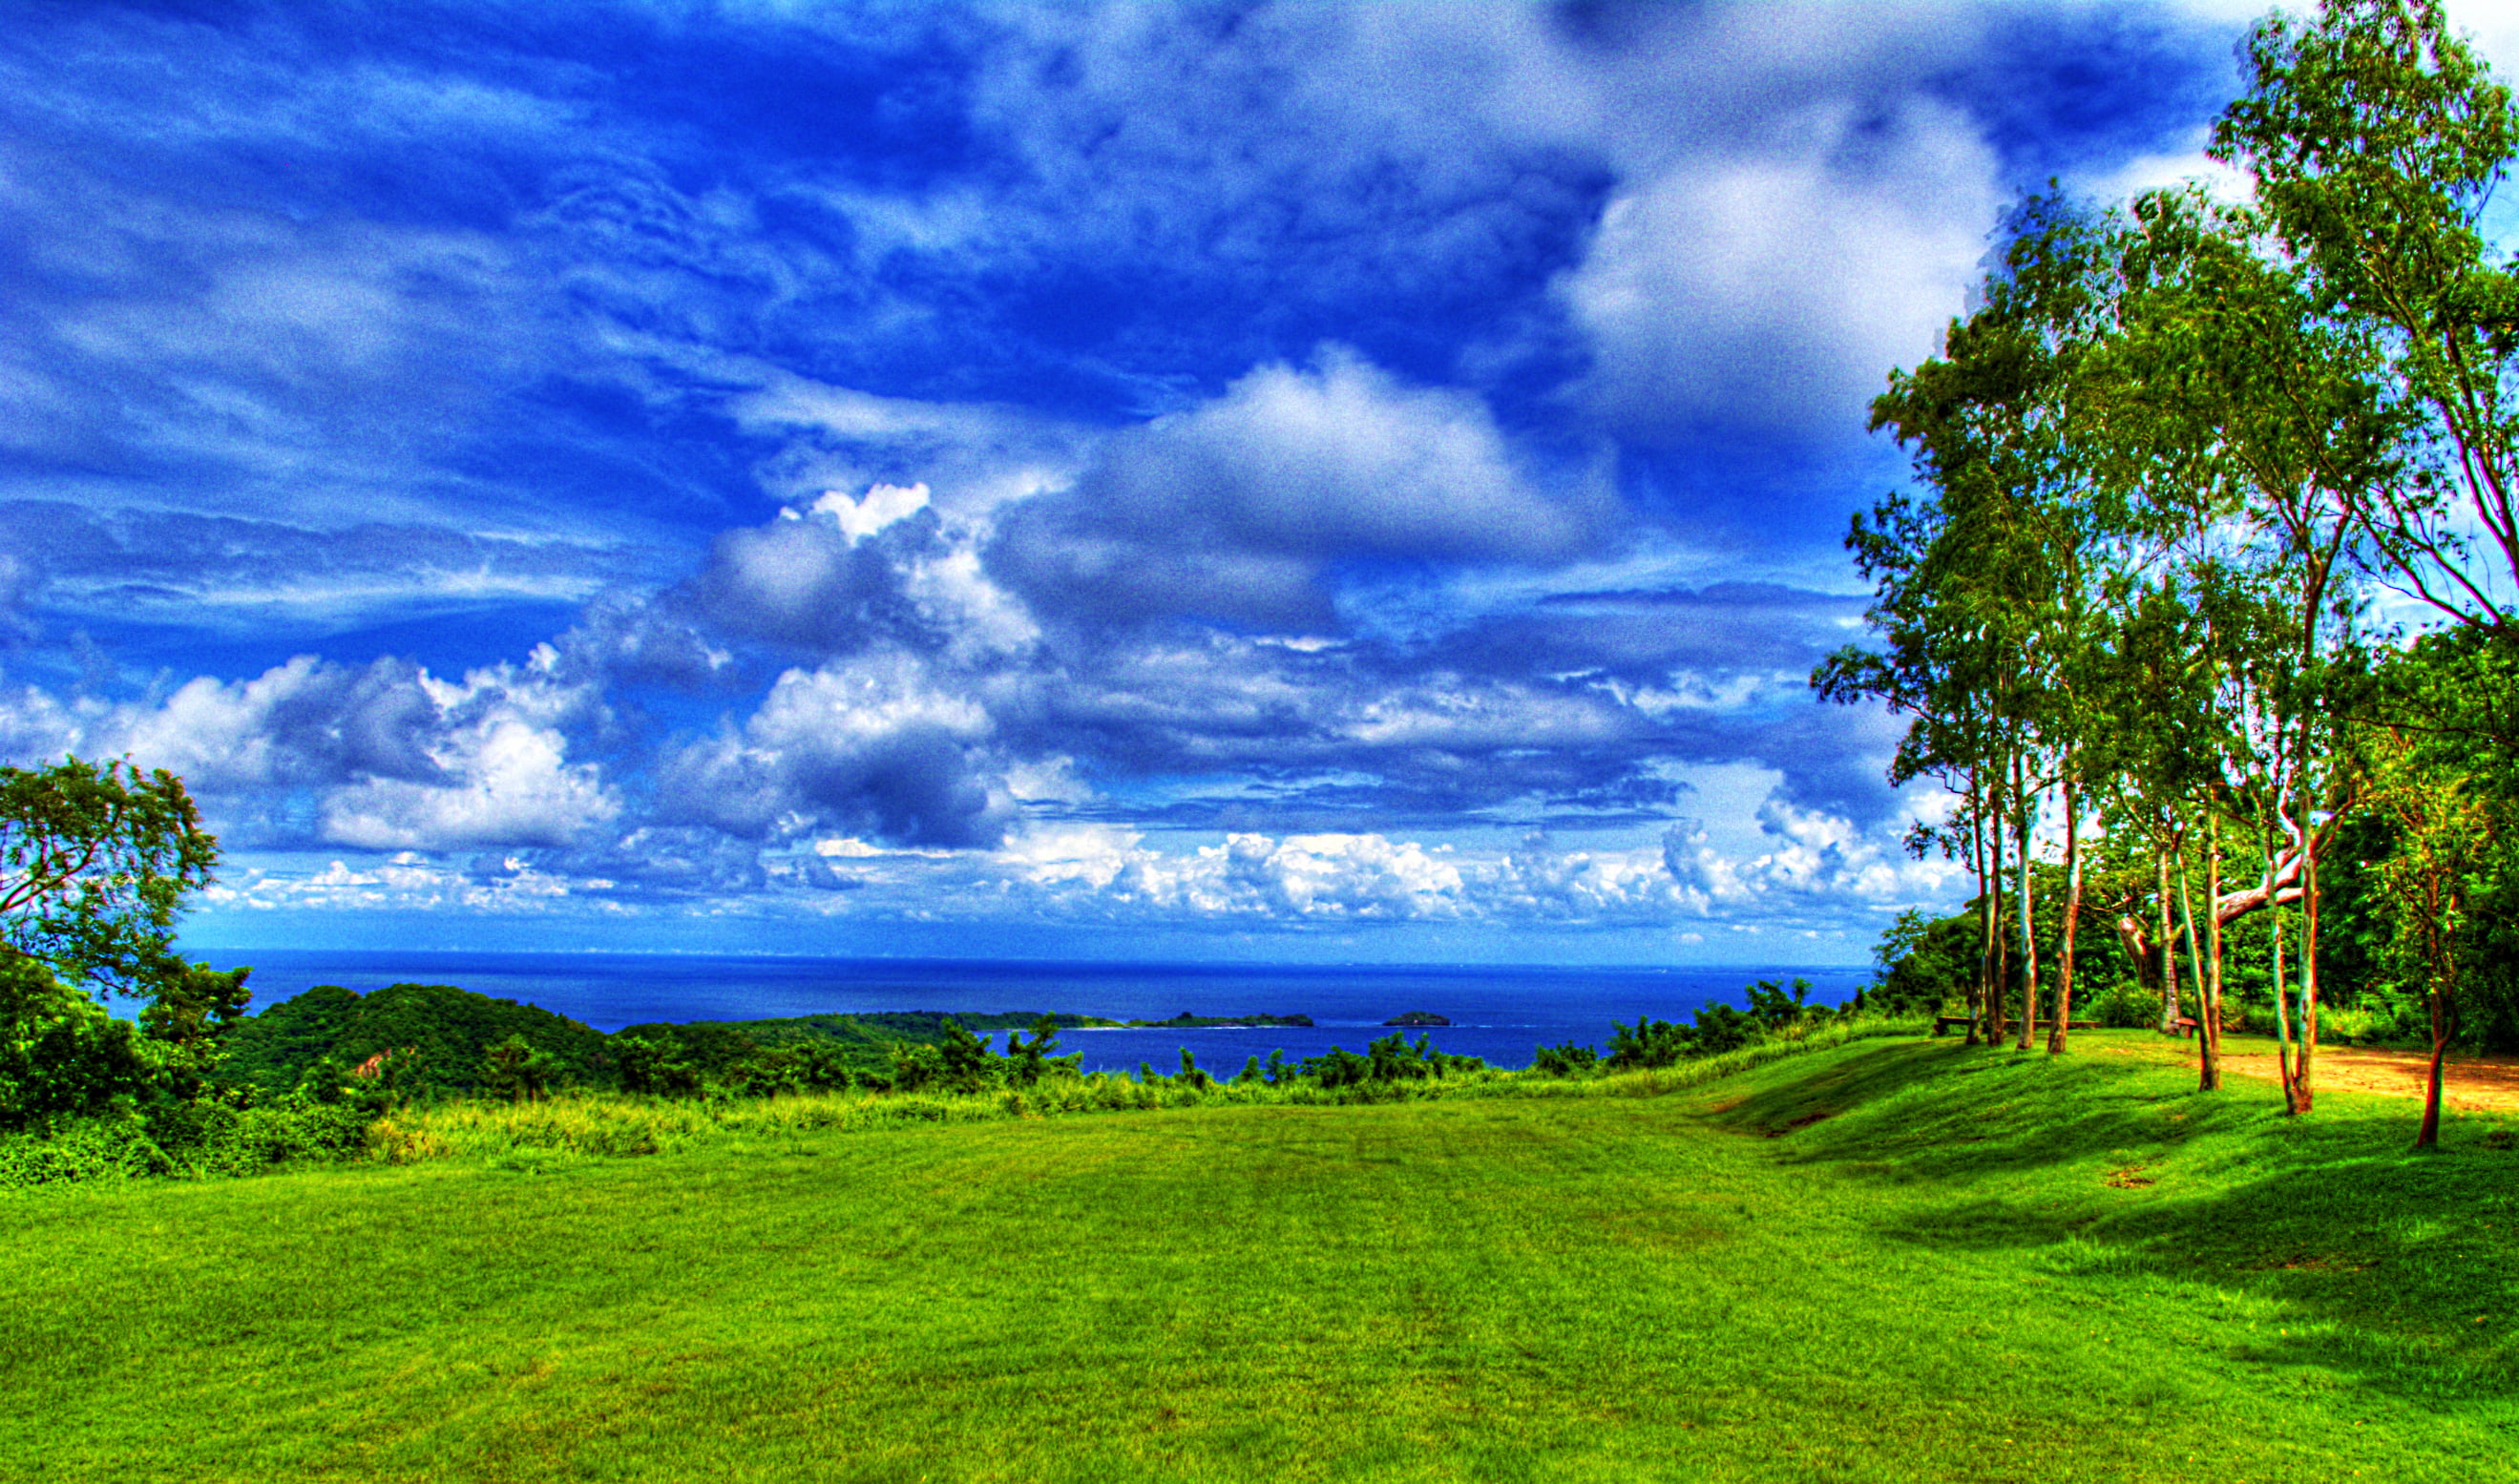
<point x="2478" y="1084"/>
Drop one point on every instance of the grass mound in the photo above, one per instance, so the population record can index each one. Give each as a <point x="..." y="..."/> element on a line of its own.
<point x="1888" y="1259"/>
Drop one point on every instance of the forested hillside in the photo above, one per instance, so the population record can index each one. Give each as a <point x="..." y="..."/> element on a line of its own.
<point x="430" y="1036"/>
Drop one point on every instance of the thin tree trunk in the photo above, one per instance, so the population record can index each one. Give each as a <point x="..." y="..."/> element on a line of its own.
<point x="1988" y="886"/>
<point x="2072" y="915"/>
<point x="2211" y="1073"/>
<point x="2304" y="1067"/>
<point x="2429" y="1136"/>
<point x="2026" y="908"/>
<point x="2282" y="988"/>
<point x="2208" y="1031"/>
<point x="2168" y="954"/>
<point x="1998" y="968"/>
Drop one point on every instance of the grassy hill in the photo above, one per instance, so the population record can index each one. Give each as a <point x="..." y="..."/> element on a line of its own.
<point x="1892" y="1260"/>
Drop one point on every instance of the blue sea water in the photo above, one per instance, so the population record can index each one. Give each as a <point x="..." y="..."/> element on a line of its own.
<point x="1499" y="1014"/>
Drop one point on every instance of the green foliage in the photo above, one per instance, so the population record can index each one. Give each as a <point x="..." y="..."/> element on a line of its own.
<point x="439" y="1036"/>
<point x="1391" y="1060"/>
<point x="1925" y="963"/>
<point x="1569" y="1059"/>
<point x="62" y="1055"/>
<point x="517" y="1070"/>
<point x="1649" y="1043"/>
<point x="95" y="863"/>
<point x="1714" y="1029"/>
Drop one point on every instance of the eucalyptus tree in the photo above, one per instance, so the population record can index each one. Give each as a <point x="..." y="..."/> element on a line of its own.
<point x="2375" y="139"/>
<point x="1937" y="666"/>
<point x="2262" y="429"/>
<point x="1984" y="589"/>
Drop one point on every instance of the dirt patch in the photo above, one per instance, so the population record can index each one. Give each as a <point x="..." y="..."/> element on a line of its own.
<point x="2131" y="1178"/>
<point x="2476" y="1084"/>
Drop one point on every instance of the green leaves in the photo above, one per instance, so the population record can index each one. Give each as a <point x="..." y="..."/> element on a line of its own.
<point x="2375" y="138"/>
<point x="95" y="863"/>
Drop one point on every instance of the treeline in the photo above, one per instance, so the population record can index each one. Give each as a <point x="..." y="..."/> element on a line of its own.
<point x="2205" y="608"/>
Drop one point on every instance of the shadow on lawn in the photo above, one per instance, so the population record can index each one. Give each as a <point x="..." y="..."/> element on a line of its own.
<point x="2129" y="1174"/>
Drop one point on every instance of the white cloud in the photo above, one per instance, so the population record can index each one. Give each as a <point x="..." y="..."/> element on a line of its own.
<point x="392" y="756"/>
<point x="1780" y="284"/>
<point x="1237" y="507"/>
<point x="511" y="783"/>
<point x="874" y="745"/>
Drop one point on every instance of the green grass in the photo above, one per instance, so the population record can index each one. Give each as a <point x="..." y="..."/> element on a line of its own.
<point x="1890" y="1259"/>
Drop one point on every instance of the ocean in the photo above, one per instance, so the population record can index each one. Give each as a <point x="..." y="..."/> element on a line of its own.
<point x="1499" y="1014"/>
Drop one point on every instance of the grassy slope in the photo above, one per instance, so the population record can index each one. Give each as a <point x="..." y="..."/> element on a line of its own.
<point x="1935" y="1279"/>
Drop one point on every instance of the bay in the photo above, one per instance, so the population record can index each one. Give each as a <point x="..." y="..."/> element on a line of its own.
<point x="1498" y="1013"/>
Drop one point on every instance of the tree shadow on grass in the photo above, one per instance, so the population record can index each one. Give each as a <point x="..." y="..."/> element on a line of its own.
<point x="2385" y="1257"/>
<point x="1946" y="1114"/>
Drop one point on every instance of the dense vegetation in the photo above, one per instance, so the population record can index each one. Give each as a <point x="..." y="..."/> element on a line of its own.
<point x="1891" y="1260"/>
<point x="2206" y="606"/>
<point x="422" y="1037"/>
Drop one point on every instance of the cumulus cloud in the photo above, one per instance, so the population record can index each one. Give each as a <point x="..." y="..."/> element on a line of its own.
<point x="380" y="757"/>
<point x="1239" y="508"/>
<point x="872" y="746"/>
<point x="960" y="440"/>
<point x="1779" y="285"/>
<point x="1814" y="861"/>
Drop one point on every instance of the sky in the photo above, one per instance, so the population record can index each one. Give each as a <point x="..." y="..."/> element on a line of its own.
<point x="1304" y="482"/>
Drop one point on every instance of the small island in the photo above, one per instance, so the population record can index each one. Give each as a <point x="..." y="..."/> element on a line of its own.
<point x="1188" y="1021"/>
<point x="1418" y="1018"/>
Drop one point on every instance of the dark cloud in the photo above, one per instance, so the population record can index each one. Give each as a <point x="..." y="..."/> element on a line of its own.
<point x="1242" y="509"/>
<point x="868" y="749"/>
<point x="802" y="581"/>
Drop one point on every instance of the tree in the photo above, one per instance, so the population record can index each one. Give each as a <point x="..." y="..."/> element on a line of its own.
<point x="2443" y="833"/>
<point x="95" y="863"/>
<point x="2376" y="138"/>
<point x="521" y="1070"/>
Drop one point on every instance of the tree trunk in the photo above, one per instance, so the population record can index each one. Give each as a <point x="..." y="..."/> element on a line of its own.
<point x="1998" y="968"/>
<point x="2210" y="1071"/>
<point x="2283" y="987"/>
<point x="2304" y="1089"/>
<point x="2026" y="909"/>
<point x="2168" y="956"/>
<point x="2429" y="1136"/>
<point x="2208" y="1027"/>
<point x="1988" y="884"/>
<point x="2072" y="916"/>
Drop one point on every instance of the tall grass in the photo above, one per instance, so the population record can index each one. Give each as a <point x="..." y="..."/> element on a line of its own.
<point x="587" y="1123"/>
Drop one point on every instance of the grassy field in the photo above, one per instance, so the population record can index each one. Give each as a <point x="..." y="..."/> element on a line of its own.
<point x="1895" y="1259"/>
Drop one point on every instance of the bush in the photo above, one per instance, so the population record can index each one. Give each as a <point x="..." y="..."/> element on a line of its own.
<point x="62" y="1055"/>
<point x="1570" y="1060"/>
<point x="111" y="1147"/>
<point x="1650" y="1043"/>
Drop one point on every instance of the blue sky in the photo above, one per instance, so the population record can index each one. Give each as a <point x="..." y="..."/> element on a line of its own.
<point x="1300" y="481"/>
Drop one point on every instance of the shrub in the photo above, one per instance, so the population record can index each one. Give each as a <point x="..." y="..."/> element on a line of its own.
<point x="1570" y="1060"/>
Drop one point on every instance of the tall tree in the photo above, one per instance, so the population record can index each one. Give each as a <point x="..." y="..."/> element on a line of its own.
<point x="2376" y="138"/>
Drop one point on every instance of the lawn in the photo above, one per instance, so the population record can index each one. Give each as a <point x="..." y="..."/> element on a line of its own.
<point x="1898" y="1260"/>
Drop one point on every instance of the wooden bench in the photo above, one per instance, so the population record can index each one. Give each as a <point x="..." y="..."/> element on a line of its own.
<point x="2184" y="1025"/>
<point x="1942" y="1022"/>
